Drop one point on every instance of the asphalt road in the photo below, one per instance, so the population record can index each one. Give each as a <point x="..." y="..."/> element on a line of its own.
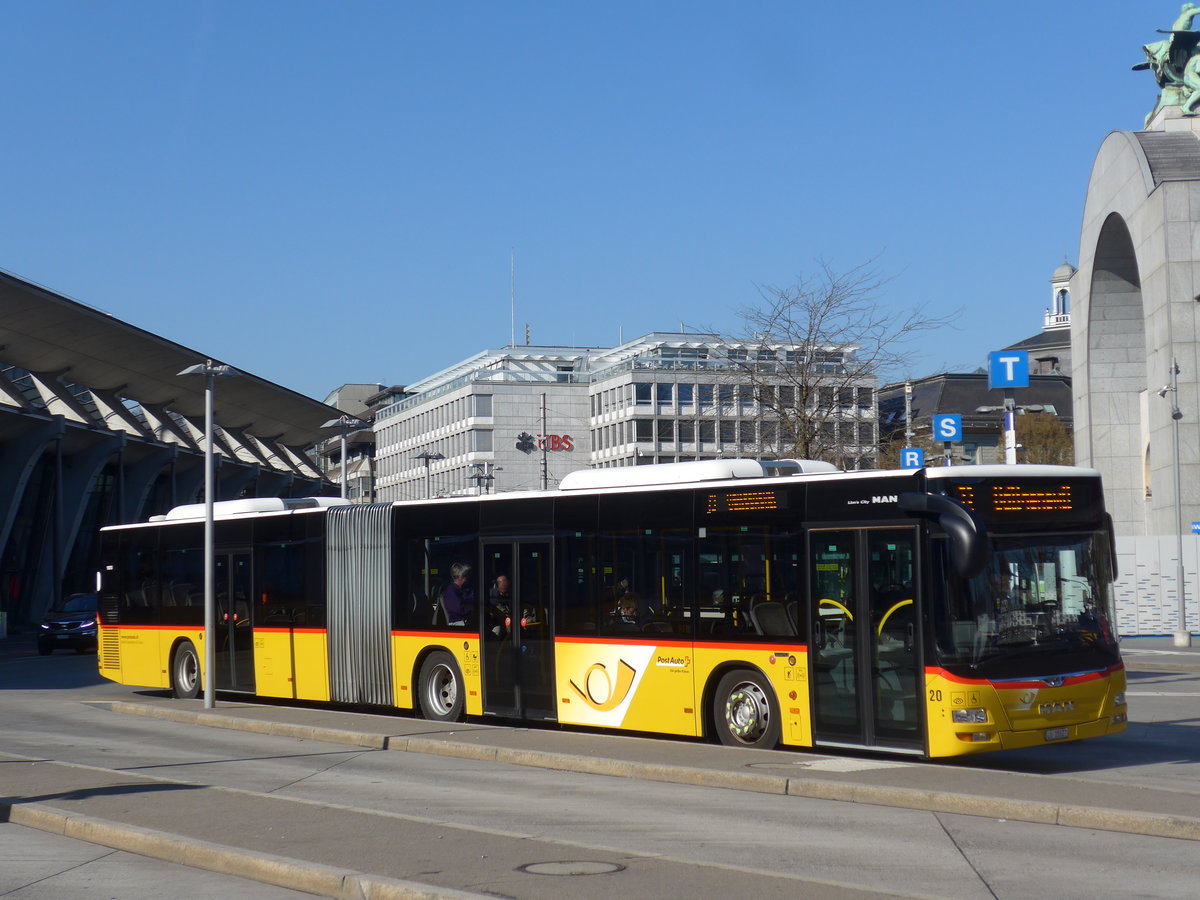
<point x="665" y="835"/>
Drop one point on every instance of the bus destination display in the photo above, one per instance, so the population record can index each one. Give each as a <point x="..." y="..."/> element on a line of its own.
<point x="743" y="501"/>
<point x="1016" y="497"/>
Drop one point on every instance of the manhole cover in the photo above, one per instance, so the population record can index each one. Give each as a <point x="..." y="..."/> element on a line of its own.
<point x="571" y="867"/>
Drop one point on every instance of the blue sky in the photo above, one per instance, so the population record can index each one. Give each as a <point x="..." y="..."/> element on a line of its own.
<point x="330" y="192"/>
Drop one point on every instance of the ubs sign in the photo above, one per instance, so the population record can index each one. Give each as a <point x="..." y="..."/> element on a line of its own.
<point x="527" y="442"/>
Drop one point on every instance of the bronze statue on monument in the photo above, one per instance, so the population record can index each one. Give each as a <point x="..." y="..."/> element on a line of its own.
<point x="1175" y="63"/>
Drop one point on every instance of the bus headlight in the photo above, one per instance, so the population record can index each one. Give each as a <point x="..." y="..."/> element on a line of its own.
<point x="1119" y="699"/>
<point x="970" y="716"/>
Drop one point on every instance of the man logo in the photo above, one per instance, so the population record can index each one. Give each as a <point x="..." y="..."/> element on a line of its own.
<point x="884" y="498"/>
<point x="600" y="694"/>
<point x="1058" y="706"/>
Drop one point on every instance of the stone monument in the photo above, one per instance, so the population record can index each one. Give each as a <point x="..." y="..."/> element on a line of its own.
<point x="1135" y="302"/>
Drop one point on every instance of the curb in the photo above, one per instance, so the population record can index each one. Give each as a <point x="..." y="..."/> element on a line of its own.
<point x="1043" y="813"/>
<point x="313" y="878"/>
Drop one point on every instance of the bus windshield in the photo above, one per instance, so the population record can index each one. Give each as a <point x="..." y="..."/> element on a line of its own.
<point x="1038" y="598"/>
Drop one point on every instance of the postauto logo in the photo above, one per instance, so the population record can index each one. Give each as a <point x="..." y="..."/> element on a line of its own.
<point x="601" y="691"/>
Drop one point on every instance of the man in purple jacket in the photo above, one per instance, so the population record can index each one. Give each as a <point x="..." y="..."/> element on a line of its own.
<point x="457" y="598"/>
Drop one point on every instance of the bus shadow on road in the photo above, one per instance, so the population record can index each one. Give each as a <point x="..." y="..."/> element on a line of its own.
<point x="113" y="790"/>
<point x="1172" y="742"/>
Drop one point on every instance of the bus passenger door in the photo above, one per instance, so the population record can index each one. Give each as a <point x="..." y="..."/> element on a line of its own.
<point x="235" y="627"/>
<point x="516" y="632"/>
<point x="865" y="638"/>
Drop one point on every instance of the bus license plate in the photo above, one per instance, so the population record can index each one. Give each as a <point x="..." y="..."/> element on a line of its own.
<point x="1057" y="734"/>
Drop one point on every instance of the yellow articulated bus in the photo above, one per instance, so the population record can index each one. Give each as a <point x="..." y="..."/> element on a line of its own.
<point x="936" y="612"/>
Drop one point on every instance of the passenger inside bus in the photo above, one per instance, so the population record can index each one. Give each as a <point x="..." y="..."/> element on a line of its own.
<point x="499" y="606"/>
<point x="458" y="599"/>
<point x="626" y="616"/>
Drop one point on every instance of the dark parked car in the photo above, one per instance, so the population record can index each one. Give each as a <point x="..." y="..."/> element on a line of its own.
<point x="71" y="626"/>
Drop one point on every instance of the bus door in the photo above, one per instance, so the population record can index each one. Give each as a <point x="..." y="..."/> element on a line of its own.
<point x="235" y="627"/>
<point x="866" y="685"/>
<point x="516" y="631"/>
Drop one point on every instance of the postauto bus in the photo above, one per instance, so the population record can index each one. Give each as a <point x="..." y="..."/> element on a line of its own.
<point x="935" y="612"/>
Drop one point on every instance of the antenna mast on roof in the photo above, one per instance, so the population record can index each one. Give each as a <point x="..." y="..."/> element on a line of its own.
<point x="512" y="295"/>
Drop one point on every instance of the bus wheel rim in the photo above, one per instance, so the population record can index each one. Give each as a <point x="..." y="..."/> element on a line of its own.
<point x="187" y="670"/>
<point x="443" y="690"/>
<point x="747" y="712"/>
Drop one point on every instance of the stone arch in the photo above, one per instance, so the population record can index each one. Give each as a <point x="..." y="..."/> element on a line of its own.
<point x="1115" y="363"/>
<point x="1134" y="309"/>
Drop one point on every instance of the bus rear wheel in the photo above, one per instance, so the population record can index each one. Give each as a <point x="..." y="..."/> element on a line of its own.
<point x="440" y="690"/>
<point x="745" y="711"/>
<point x="185" y="672"/>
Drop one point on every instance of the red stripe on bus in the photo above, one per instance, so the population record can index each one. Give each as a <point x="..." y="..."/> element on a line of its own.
<point x="276" y="629"/>
<point x="200" y="628"/>
<point x="1032" y="683"/>
<point x="646" y="638"/>
<point x="440" y="634"/>
<point x="634" y="637"/>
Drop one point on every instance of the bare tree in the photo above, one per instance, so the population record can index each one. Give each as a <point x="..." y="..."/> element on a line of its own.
<point x="1045" y="440"/>
<point x="815" y="350"/>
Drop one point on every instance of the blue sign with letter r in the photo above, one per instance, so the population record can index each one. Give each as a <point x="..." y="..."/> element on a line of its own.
<point x="912" y="458"/>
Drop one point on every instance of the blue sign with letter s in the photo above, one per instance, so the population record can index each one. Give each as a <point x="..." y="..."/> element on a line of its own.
<point x="947" y="427"/>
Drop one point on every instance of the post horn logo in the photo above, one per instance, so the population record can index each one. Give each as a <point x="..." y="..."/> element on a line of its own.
<point x="601" y="694"/>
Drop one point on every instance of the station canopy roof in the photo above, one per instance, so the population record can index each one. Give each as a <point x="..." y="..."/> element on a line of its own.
<point x="45" y="332"/>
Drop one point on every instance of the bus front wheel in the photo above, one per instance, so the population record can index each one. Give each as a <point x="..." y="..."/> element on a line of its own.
<point x="185" y="672"/>
<point x="745" y="712"/>
<point x="440" y="688"/>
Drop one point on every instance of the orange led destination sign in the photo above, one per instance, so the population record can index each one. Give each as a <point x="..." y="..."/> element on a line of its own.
<point x="1013" y="498"/>
<point x="742" y="501"/>
<point x="1009" y="498"/>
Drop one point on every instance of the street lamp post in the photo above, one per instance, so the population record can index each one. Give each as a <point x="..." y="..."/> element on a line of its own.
<point x="209" y="370"/>
<point x="345" y="423"/>
<point x="429" y="456"/>
<point x="485" y="475"/>
<point x="1183" y="637"/>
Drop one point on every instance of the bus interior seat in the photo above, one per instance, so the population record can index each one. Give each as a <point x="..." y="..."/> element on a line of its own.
<point x="832" y="630"/>
<point x="657" y="626"/>
<point x="771" y="619"/>
<point x="964" y="635"/>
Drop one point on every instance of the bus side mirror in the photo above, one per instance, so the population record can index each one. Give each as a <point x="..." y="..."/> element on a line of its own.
<point x="968" y="536"/>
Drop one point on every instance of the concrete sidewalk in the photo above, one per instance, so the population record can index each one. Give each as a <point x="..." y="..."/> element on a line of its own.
<point x="285" y="842"/>
<point x="937" y="788"/>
